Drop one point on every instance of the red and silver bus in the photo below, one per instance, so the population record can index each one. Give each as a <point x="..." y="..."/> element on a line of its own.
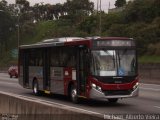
<point x="103" y="68"/>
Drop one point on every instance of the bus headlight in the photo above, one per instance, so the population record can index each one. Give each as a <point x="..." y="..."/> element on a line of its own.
<point x="93" y="85"/>
<point x="135" y="86"/>
<point x="96" y="87"/>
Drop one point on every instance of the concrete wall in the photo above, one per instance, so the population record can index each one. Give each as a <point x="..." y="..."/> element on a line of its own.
<point x="29" y="109"/>
<point x="149" y="73"/>
<point x="3" y="69"/>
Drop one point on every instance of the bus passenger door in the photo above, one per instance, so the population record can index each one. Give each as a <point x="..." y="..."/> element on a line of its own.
<point x="46" y="70"/>
<point x="26" y="69"/>
<point x="81" y="71"/>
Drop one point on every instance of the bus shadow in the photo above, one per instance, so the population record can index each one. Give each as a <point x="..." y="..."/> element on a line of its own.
<point x="99" y="103"/>
<point x="83" y="102"/>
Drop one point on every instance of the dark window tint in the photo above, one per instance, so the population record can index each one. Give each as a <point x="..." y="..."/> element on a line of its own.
<point x="63" y="57"/>
<point x="55" y="57"/>
<point x="35" y="57"/>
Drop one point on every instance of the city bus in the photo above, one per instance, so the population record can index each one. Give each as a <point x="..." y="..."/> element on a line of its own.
<point x="101" y="68"/>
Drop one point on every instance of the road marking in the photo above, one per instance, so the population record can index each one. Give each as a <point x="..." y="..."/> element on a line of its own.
<point x="149" y="89"/>
<point x="149" y="84"/>
<point x="157" y="107"/>
<point x="8" y="80"/>
<point x="8" y="83"/>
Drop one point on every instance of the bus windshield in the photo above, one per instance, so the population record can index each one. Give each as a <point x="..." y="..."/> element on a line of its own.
<point x="113" y="62"/>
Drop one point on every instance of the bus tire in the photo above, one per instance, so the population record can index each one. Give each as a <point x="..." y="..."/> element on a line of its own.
<point x="73" y="94"/>
<point x="113" y="100"/>
<point x="36" y="88"/>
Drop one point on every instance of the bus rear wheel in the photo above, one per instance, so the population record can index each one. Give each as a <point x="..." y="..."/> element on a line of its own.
<point x="36" y="88"/>
<point x="113" y="100"/>
<point x="73" y="94"/>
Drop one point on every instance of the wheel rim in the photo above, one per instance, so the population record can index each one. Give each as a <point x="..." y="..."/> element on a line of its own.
<point x="35" y="88"/>
<point x="74" y="94"/>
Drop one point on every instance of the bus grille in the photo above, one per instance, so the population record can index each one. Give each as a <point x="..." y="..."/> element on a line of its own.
<point x="117" y="92"/>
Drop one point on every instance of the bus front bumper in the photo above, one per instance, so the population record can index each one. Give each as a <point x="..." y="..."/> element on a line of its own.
<point x="96" y="94"/>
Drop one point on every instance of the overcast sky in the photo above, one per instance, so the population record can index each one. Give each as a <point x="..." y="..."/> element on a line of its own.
<point x="105" y="3"/>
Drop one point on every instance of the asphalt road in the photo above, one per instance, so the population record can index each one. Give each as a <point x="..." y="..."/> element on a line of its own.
<point x="148" y="101"/>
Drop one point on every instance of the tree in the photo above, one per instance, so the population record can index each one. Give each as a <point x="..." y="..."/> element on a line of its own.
<point x="79" y="5"/>
<point x="3" y="3"/>
<point x="120" y="3"/>
<point x="78" y="9"/>
<point x="6" y="25"/>
<point x="89" y="25"/>
<point x="142" y="10"/>
<point x="24" y="5"/>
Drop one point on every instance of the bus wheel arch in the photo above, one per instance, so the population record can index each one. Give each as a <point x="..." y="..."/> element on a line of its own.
<point x="69" y="88"/>
<point x="72" y="92"/>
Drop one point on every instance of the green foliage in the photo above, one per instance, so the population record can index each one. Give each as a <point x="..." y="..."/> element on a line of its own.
<point x="6" y="26"/>
<point x="78" y="9"/>
<point x="140" y="20"/>
<point x="7" y="60"/>
<point x="120" y="3"/>
<point x="154" y="49"/>
<point x="75" y="6"/>
<point x="142" y="10"/>
<point x="89" y="25"/>
<point x="149" y="59"/>
<point x="112" y="18"/>
<point x="32" y="33"/>
<point x="118" y="30"/>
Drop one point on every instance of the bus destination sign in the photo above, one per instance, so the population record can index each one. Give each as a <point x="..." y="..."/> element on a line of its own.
<point x="114" y="43"/>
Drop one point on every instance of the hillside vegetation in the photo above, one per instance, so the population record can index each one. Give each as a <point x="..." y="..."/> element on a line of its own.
<point x="140" y="20"/>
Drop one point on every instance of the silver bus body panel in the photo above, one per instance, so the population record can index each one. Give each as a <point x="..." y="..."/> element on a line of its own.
<point x="95" y="94"/>
<point x="57" y="80"/>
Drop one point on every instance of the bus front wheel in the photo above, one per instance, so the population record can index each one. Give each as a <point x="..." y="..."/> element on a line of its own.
<point x="73" y="94"/>
<point x="113" y="100"/>
<point x="36" y="88"/>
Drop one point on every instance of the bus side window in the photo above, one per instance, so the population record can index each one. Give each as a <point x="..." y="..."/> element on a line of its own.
<point x="55" y="57"/>
<point x="67" y="57"/>
<point x="31" y="58"/>
<point x="35" y="60"/>
<point x="71" y="61"/>
<point x="63" y="57"/>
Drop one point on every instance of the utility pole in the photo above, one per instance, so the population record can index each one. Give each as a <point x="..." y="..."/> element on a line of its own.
<point x="97" y="6"/>
<point x="100" y="19"/>
<point x="18" y="24"/>
<point x="18" y="32"/>
<point x="1" y="49"/>
<point x="99" y="10"/>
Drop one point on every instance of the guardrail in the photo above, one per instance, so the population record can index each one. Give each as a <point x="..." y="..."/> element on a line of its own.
<point x="149" y="73"/>
<point x="20" y="107"/>
<point x="3" y="69"/>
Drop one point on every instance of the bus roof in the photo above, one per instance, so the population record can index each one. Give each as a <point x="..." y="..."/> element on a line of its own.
<point x="69" y="40"/>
